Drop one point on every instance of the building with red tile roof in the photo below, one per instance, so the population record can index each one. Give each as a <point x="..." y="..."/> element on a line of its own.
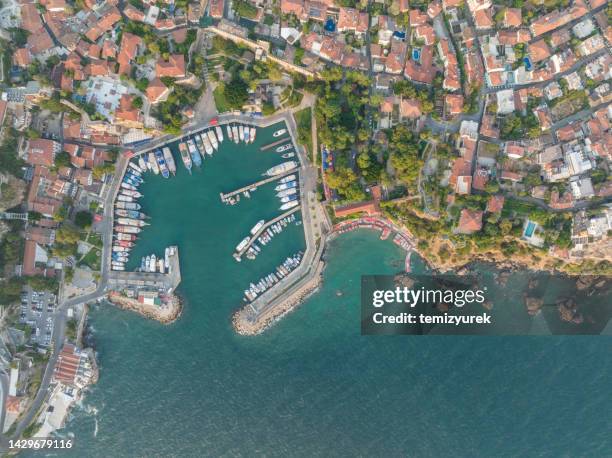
<point x="410" y="108"/>
<point x="470" y="221"/>
<point x="30" y="18"/>
<point x="496" y="203"/>
<point x="483" y="19"/>
<point x="513" y="17"/>
<point x="424" y="70"/>
<point x="174" y="67"/>
<point x="453" y="104"/>
<point x="556" y="19"/>
<point x="538" y="51"/>
<point x="216" y="8"/>
<point x="156" y="91"/>
<point x="22" y="57"/>
<point x="130" y="46"/>
<point x="349" y="19"/>
<point x="417" y="18"/>
<point x="370" y="208"/>
<point x="42" y="151"/>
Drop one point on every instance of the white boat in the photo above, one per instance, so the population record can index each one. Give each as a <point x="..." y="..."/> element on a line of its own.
<point x="287" y="155"/>
<point x="153" y="163"/>
<point x="289" y="198"/>
<point x="279" y="132"/>
<point x="153" y="263"/>
<point x="167" y="257"/>
<point x="219" y="133"/>
<point x="137" y="170"/>
<point x="128" y="186"/>
<point x="281" y="168"/>
<point x="127" y="205"/>
<point x="127" y="229"/>
<point x="287" y="179"/>
<point x="287" y="185"/>
<point x="131" y="222"/>
<point x="246" y="134"/>
<point x="258" y="226"/>
<point x="235" y="134"/>
<point x="130" y="193"/>
<point x="119" y="268"/>
<point x="244" y="243"/>
<point x="252" y="136"/>
<point x="148" y="164"/>
<point x="141" y="163"/>
<point x="147" y="263"/>
<point x="289" y="205"/>
<point x="229" y="131"/>
<point x="241" y="132"/>
<point x="207" y="146"/>
<point x="160" y="266"/>
<point x="286" y="192"/>
<point x="280" y="149"/>
<point x="213" y="138"/>
<point x="169" y="160"/>
<point x="122" y="198"/>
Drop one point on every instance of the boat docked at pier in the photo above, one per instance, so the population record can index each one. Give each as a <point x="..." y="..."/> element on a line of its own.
<point x="286" y="192"/>
<point x="288" y="198"/>
<point x="135" y="168"/>
<point x="141" y="163"/>
<point x="207" y="146"/>
<point x="195" y="155"/>
<point x="161" y="162"/>
<point x="124" y="198"/>
<point x="287" y="179"/>
<point x="279" y="132"/>
<point x="288" y="155"/>
<point x="219" y="133"/>
<point x="289" y="205"/>
<point x="127" y="229"/>
<point x="169" y="160"/>
<point x="257" y="226"/>
<point x="228" y="128"/>
<point x="153" y="163"/>
<point x="280" y="149"/>
<point x="131" y="222"/>
<point x="128" y="186"/>
<point x="185" y="157"/>
<point x="281" y="168"/>
<point x="130" y="214"/>
<point x="213" y="139"/>
<point x="130" y="193"/>
<point x="253" y="132"/>
<point x="287" y="185"/>
<point x="125" y="237"/>
<point x="235" y="134"/>
<point x="128" y="205"/>
<point x="245" y="241"/>
<point x="246" y="134"/>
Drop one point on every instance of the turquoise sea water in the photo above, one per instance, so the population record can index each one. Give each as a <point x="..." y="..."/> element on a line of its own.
<point x="312" y="385"/>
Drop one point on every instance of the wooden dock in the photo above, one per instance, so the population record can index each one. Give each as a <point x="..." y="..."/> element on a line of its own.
<point x="276" y="143"/>
<point x="225" y="197"/>
<point x="266" y="226"/>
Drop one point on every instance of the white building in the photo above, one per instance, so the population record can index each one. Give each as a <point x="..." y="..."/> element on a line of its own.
<point x="505" y="101"/>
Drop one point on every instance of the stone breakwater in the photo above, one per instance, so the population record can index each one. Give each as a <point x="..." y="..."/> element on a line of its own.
<point x="166" y="313"/>
<point x="247" y="323"/>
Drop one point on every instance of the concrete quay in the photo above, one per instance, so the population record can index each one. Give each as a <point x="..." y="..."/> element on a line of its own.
<point x="225" y="197"/>
<point x="266" y="226"/>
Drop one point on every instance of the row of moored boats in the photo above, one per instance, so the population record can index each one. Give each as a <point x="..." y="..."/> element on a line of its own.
<point x="265" y="283"/>
<point x="129" y="220"/>
<point x="267" y="235"/>
<point x="153" y="264"/>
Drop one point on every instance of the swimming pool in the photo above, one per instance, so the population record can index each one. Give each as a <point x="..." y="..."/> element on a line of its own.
<point x="416" y="54"/>
<point x="530" y="229"/>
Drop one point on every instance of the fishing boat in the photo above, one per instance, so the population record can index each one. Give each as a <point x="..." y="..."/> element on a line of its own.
<point x="229" y="131"/>
<point x="167" y="258"/>
<point x="143" y="264"/>
<point x="243" y="244"/>
<point x="287" y="155"/>
<point x="128" y="229"/>
<point x="207" y="146"/>
<point x="160" y="266"/>
<point x="287" y="185"/>
<point x="195" y="155"/>
<point x="129" y="193"/>
<point x="235" y="134"/>
<point x="246" y="134"/>
<point x="252" y="136"/>
<point x="286" y="192"/>
<point x="152" y="263"/>
<point x="124" y="198"/>
<point x="131" y="222"/>
<point x="141" y="163"/>
<point x="118" y="267"/>
<point x="241" y="132"/>
<point x="146" y="160"/>
<point x="185" y="156"/>
<point x="163" y="167"/>
<point x="281" y="168"/>
<point x="289" y="205"/>
<point x="287" y="179"/>
<point x="213" y="138"/>
<point x="153" y="162"/>
<point x="257" y="226"/>
<point x="128" y="205"/>
<point x="219" y="133"/>
<point x="130" y="214"/>
<point x="125" y="243"/>
<point x="125" y="237"/>
<point x="169" y="160"/>
<point x="279" y="132"/>
<point x="280" y="149"/>
<point x="120" y="249"/>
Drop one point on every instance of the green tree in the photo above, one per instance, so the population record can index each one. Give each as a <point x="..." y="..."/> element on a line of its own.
<point x="83" y="219"/>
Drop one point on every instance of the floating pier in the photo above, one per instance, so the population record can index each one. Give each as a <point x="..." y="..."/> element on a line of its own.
<point x="226" y="197"/>
<point x="276" y="143"/>
<point x="266" y="226"/>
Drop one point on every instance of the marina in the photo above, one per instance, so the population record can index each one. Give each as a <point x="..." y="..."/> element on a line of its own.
<point x="273" y="144"/>
<point x="226" y="197"/>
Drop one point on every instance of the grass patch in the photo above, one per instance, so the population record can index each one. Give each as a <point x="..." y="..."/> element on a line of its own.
<point x="220" y="100"/>
<point x="92" y="259"/>
<point x="304" y="125"/>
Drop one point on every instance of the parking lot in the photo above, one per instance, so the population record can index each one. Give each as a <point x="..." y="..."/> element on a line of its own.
<point x="38" y="311"/>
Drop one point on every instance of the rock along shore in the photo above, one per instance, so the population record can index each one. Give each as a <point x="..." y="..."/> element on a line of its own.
<point x="165" y="314"/>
